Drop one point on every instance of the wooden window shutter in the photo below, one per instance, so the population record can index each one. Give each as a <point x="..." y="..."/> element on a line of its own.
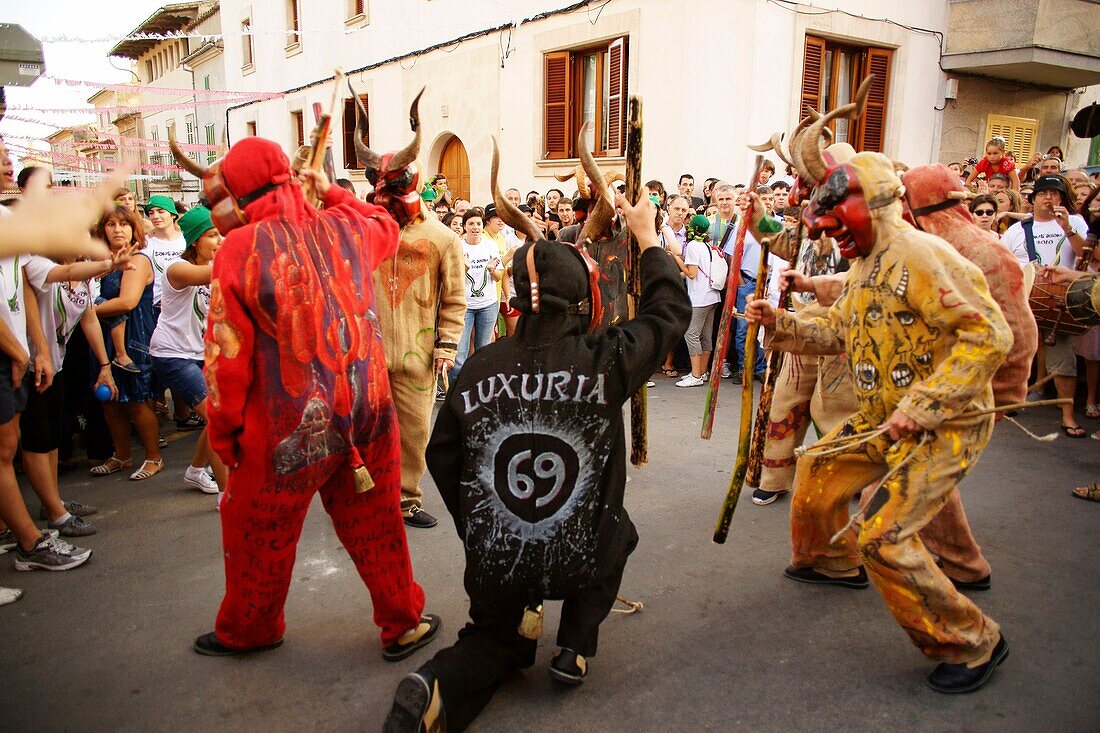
<point x="1019" y="132"/>
<point x="616" y="115"/>
<point x="873" y="122"/>
<point x="556" y="114"/>
<point x="813" y="71"/>
<point x="351" y="161"/>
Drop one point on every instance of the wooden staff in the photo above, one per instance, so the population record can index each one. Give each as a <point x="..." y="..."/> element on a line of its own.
<point x="740" y="468"/>
<point x="726" y="321"/>
<point x="319" y="146"/>
<point x="330" y="165"/>
<point x="639" y="403"/>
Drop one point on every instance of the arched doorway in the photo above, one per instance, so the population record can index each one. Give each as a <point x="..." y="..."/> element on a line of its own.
<point x="455" y="165"/>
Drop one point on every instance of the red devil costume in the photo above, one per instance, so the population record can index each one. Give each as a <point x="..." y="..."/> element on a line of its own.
<point x="299" y="395"/>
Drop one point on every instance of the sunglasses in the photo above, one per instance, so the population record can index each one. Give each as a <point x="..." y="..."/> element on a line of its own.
<point x="984" y="212"/>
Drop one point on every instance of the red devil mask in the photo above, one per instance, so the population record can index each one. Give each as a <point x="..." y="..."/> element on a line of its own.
<point x="839" y="209"/>
<point x="395" y="176"/>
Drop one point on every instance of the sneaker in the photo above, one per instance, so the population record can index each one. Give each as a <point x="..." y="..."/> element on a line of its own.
<point x="50" y="553"/>
<point x="650" y="383"/>
<point x="726" y="371"/>
<point x="760" y="497"/>
<point x="194" y="422"/>
<point x="440" y="395"/>
<point x="690" y="380"/>
<point x="418" y="518"/>
<point x="201" y="480"/>
<point x="10" y="595"/>
<point x="162" y="442"/>
<point x="736" y="378"/>
<point x="568" y="667"/>
<point x="74" y="526"/>
<point x="417" y="705"/>
<point x="399" y="649"/>
<point x="72" y="507"/>
<point x="7" y="541"/>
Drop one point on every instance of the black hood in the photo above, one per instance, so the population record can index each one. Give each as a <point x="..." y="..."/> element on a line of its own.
<point x="563" y="282"/>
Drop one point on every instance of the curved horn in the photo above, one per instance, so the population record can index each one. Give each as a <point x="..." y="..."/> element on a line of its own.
<point x="959" y="195"/>
<point x="369" y="159"/>
<point x="508" y="213"/>
<point x="809" y="144"/>
<point x="600" y="218"/>
<point x="771" y="144"/>
<point x="403" y="158"/>
<point x="184" y="161"/>
<point x="792" y="143"/>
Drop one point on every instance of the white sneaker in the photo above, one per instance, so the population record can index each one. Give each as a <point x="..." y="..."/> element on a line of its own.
<point x="726" y="372"/>
<point x="690" y="380"/>
<point x="10" y="595"/>
<point x="201" y="480"/>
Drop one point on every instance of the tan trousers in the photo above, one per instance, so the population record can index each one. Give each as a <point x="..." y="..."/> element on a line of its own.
<point x="414" y="394"/>
<point x="808" y="388"/>
<point x="944" y="624"/>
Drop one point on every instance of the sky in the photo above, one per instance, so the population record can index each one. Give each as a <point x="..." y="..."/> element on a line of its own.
<point x="82" y="61"/>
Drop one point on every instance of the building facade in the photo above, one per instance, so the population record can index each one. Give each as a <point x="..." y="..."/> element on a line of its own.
<point x="714" y="76"/>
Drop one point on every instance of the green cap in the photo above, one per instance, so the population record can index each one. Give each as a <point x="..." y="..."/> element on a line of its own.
<point x="428" y="194"/>
<point x="162" y="202"/>
<point x="194" y="223"/>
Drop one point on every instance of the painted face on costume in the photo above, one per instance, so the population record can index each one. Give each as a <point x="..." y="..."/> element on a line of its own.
<point x="839" y="210"/>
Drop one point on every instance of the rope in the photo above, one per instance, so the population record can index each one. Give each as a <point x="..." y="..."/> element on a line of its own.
<point x="925" y="439"/>
<point x="633" y="606"/>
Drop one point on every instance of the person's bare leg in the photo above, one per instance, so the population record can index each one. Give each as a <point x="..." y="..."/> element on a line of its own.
<point x="145" y="420"/>
<point x="1092" y="377"/>
<point x="118" y="340"/>
<point x="13" y="512"/>
<point x="41" y="470"/>
<point x="1066" y="386"/>
<point x="118" y="423"/>
<point x="221" y="473"/>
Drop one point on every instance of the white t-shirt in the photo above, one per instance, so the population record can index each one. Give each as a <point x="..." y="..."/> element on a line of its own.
<point x="699" y="290"/>
<point x="1050" y="241"/>
<point x="162" y="252"/>
<point x="12" y="312"/>
<point x="179" y="331"/>
<point x="60" y="306"/>
<point x="481" y="289"/>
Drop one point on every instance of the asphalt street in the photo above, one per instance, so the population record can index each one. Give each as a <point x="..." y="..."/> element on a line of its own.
<point x="724" y="642"/>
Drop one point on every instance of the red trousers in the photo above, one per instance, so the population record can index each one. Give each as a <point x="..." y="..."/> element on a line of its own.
<point x="262" y="517"/>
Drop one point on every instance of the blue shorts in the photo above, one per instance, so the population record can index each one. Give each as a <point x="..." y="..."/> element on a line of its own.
<point x="183" y="377"/>
<point x="12" y="399"/>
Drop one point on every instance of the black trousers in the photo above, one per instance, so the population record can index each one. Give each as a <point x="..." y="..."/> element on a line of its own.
<point x="489" y="648"/>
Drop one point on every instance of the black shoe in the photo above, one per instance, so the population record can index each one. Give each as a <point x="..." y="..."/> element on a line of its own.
<point x="399" y="651"/>
<point x="194" y="422"/>
<point x="979" y="584"/>
<point x="417" y="706"/>
<point x="419" y="519"/>
<point x="760" y="497"/>
<point x="130" y="368"/>
<point x="809" y="575"/>
<point x="759" y="377"/>
<point x="440" y="395"/>
<point x="568" y="667"/>
<point x="736" y="378"/>
<point x="955" y="678"/>
<point x="209" y="645"/>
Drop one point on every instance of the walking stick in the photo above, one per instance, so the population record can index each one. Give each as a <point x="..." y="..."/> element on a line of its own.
<point x="724" y="324"/>
<point x="639" y="402"/>
<point x="737" y="479"/>
<point x="330" y="166"/>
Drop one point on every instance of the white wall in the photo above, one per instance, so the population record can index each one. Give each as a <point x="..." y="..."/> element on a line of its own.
<point x="714" y="75"/>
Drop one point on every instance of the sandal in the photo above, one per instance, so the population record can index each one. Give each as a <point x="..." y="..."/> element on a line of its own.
<point x="1089" y="493"/>
<point x="1092" y="412"/>
<point x="112" y="465"/>
<point x="670" y="373"/>
<point x="143" y="473"/>
<point x="129" y="367"/>
<point x="1076" y="432"/>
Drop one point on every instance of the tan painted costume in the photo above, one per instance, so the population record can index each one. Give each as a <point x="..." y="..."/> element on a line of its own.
<point x="421" y="303"/>
<point x="815" y="389"/>
<point x="922" y="335"/>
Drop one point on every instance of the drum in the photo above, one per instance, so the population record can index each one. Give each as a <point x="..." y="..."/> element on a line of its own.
<point x="1048" y="304"/>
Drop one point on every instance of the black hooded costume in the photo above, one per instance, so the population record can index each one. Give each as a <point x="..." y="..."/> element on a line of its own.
<point x="529" y="455"/>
